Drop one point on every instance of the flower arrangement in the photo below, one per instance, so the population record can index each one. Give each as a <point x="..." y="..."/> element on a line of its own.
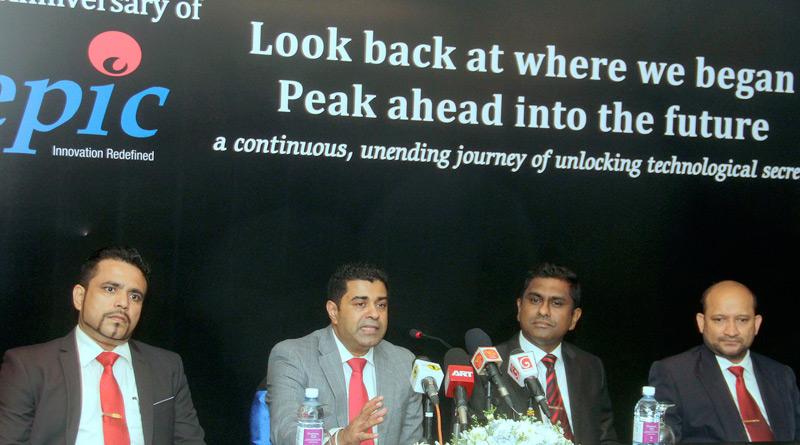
<point x="499" y="431"/>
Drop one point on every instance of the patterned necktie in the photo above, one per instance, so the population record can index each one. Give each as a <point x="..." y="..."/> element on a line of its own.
<point x="754" y="422"/>
<point x="357" y="394"/>
<point x="558" y="414"/>
<point x="115" y="428"/>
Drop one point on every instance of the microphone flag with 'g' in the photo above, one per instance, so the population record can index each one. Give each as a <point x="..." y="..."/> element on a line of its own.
<point x="426" y="378"/>
<point x="522" y="369"/>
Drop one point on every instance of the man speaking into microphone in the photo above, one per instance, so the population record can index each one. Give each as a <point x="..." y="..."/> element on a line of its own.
<point x="363" y="380"/>
<point x="573" y="380"/>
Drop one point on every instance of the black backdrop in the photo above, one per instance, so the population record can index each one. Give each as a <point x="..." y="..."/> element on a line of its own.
<point x="242" y="243"/>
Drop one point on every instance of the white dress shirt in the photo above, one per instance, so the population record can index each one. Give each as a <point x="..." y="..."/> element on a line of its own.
<point x="749" y="381"/>
<point x="561" y="372"/>
<point x="90" y="430"/>
<point x="368" y="373"/>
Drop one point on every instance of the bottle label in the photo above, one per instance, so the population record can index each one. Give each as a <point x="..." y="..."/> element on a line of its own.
<point x="645" y="432"/>
<point x="310" y="436"/>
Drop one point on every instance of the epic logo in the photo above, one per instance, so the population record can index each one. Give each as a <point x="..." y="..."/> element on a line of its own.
<point x="112" y="53"/>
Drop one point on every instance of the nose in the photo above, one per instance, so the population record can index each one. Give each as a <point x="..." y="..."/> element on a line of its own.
<point x="731" y="330"/>
<point x="121" y="300"/>
<point x="372" y="311"/>
<point x="544" y="309"/>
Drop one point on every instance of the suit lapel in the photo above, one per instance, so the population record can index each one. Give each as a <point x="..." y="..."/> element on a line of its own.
<point x="771" y="396"/>
<point x="710" y="376"/>
<point x="144" y="386"/>
<point x="575" y="390"/>
<point x="331" y="364"/>
<point x="70" y="366"/>
<point x="383" y="378"/>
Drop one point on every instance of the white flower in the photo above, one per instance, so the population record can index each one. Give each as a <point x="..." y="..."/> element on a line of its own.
<point x="525" y="431"/>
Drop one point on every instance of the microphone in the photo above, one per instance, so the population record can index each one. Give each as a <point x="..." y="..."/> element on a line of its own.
<point x="522" y="368"/>
<point x="486" y="360"/>
<point x="459" y="381"/>
<point x="426" y="378"/>
<point x="419" y="335"/>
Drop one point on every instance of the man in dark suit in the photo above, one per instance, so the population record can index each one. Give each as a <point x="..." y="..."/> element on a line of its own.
<point x="574" y="380"/>
<point x="372" y="402"/>
<point x="724" y="392"/>
<point x="95" y="385"/>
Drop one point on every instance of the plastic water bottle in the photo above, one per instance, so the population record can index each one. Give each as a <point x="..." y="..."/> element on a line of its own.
<point x="646" y="418"/>
<point x="309" y="420"/>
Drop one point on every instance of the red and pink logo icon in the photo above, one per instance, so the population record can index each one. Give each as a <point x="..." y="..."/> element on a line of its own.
<point x="115" y="53"/>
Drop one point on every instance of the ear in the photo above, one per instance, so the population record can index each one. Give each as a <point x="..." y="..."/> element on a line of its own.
<point x="78" y="294"/>
<point x="701" y="322"/>
<point x="519" y="306"/>
<point x="758" y="323"/>
<point x="333" y="312"/>
<point x="576" y="315"/>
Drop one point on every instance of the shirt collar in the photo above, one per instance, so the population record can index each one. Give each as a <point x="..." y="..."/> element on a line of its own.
<point x="746" y="363"/>
<point x="88" y="349"/>
<point x="537" y="351"/>
<point x="346" y="355"/>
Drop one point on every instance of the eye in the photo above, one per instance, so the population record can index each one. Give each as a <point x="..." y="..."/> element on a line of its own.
<point x="360" y="304"/>
<point x="136" y="297"/>
<point x="109" y="289"/>
<point x="558" y="303"/>
<point x="383" y="305"/>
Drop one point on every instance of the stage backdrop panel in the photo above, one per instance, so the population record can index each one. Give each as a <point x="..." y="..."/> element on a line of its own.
<point x="249" y="147"/>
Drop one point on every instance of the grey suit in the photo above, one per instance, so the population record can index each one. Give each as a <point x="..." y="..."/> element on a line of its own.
<point x="314" y="361"/>
<point x="40" y="395"/>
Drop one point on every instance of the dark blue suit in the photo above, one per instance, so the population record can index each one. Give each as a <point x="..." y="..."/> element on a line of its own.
<point x="705" y="411"/>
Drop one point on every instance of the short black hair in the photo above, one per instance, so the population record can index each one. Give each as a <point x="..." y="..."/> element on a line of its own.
<point x="550" y="270"/>
<point x="337" y="284"/>
<point x="120" y="253"/>
<point x="704" y="297"/>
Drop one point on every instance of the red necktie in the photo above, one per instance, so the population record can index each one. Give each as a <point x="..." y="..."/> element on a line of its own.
<point x="754" y="422"/>
<point x="115" y="428"/>
<point x="357" y="394"/>
<point x="557" y="411"/>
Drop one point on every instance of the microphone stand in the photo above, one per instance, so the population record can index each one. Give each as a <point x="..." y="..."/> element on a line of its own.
<point x="427" y="424"/>
<point x="488" y="394"/>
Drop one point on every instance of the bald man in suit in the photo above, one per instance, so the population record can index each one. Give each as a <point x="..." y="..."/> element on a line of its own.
<point x="703" y="383"/>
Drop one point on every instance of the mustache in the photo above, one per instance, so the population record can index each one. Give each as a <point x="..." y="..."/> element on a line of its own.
<point x="116" y="313"/>
<point x="547" y="320"/>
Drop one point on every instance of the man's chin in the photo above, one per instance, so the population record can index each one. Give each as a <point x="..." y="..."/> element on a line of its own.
<point x="734" y="355"/>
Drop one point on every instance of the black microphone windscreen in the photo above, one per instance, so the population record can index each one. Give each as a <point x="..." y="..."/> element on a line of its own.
<point x="476" y="338"/>
<point x="456" y="356"/>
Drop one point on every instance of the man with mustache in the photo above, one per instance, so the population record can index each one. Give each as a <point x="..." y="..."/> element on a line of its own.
<point x="724" y="392"/>
<point x="363" y="380"/>
<point x="573" y="380"/>
<point x="96" y="385"/>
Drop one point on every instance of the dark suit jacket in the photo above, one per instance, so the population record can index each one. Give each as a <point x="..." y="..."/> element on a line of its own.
<point x="313" y="361"/>
<point x="705" y="411"/>
<point x="40" y="395"/>
<point x="592" y="418"/>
